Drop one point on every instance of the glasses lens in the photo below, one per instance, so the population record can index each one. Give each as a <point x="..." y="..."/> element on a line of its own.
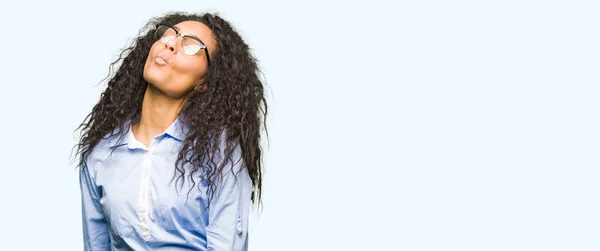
<point x="165" y="33"/>
<point x="191" y="46"/>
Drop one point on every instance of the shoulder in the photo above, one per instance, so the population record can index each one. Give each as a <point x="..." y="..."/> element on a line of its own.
<point x="107" y="144"/>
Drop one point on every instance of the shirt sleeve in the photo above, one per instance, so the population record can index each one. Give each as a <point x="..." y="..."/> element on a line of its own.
<point x="95" y="230"/>
<point x="227" y="228"/>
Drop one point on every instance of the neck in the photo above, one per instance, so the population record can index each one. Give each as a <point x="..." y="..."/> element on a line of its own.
<point x="158" y="113"/>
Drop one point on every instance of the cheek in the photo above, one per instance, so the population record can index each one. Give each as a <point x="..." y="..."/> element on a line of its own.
<point x="188" y="72"/>
<point x="154" y="50"/>
<point x="149" y="67"/>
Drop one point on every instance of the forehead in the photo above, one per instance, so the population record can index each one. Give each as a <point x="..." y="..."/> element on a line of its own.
<point x="199" y="30"/>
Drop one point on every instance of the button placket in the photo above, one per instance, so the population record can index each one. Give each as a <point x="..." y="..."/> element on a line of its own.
<point x="240" y="231"/>
<point x="143" y="212"/>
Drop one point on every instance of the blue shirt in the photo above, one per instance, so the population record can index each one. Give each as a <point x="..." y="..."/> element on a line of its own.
<point x="130" y="200"/>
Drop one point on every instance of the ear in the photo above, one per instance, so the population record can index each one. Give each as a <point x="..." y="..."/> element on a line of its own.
<point x="203" y="88"/>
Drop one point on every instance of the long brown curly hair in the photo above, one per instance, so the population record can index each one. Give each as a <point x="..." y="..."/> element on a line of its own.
<point x="234" y="104"/>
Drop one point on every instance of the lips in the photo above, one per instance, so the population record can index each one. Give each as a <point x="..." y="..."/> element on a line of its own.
<point x="161" y="59"/>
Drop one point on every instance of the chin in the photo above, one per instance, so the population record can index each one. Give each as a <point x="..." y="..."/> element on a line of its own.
<point x="153" y="76"/>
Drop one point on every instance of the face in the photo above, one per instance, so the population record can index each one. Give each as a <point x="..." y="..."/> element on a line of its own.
<point x="170" y="69"/>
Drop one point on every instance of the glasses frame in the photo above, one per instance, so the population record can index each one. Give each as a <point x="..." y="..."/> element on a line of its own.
<point x="178" y="34"/>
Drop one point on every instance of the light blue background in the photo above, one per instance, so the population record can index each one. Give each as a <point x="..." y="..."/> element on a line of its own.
<point x="406" y="125"/>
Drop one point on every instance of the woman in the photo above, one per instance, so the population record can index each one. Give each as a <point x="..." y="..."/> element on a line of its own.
<point x="170" y="156"/>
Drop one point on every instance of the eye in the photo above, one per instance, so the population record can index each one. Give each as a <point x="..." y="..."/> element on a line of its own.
<point x="165" y="39"/>
<point x="191" y="46"/>
<point x="191" y="49"/>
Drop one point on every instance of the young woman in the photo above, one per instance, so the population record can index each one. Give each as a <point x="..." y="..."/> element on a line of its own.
<point x="170" y="156"/>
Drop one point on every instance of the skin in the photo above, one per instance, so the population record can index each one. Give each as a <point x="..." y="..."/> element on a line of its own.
<point x="169" y="83"/>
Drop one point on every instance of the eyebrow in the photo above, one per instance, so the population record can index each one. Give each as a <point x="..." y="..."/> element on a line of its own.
<point x="189" y="35"/>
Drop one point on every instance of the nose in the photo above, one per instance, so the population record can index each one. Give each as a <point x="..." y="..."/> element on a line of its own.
<point x="172" y="44"/>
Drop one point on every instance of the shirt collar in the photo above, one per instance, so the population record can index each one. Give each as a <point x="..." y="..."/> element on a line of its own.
<point x="177" y="130"/>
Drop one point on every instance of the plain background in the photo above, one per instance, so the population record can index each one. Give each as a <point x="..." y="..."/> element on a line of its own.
<point x="400" y="125"/>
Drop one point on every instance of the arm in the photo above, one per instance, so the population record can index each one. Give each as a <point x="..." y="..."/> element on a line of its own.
<point x="95" y="229"/>
<point x="227" y="228"/>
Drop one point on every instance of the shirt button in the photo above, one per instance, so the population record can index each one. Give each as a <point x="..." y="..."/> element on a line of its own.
<point x="239" y="232"/>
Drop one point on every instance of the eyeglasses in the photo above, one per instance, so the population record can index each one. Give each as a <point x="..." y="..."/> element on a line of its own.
<point x="190" y="45"/>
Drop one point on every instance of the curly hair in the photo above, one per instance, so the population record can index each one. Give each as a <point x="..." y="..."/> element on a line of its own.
<point x="232" y="106"/>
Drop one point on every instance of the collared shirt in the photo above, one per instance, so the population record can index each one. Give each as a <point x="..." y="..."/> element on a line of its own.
<point x="130" y="200"/>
